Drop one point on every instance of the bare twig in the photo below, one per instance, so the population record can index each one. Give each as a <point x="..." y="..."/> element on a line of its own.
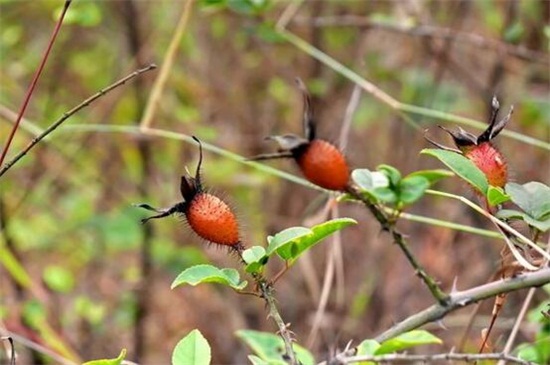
<point x="34" y="81"/>
<point x="70" y="113"/>
<point x="457" y="300"/>
<point x="40" y="349"/>
<point x="461" y="299"/>
<point x="432" y="358"/>
<point x="11" y="350"/>
<point x="523" y="311"/>
<point x="431" y="31"/>
<point x="166" y="67"/>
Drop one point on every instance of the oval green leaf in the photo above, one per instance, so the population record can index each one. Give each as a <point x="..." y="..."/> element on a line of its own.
<point x="533" y="197"/>
<point x="270" y="347"/>
<point x="496" y="195"/>
<point x="295" y="247"/>
<point x="391" y="172"/>
<point x="407" y="340"/>
<point x="284" y="237"/>
<point x="369" y="180"/>
<point x="412" y="188"/>
<point x="461" y="166"/>
<point x="255" y="258"/>
<point x="58" y="278"/>
<point x="209" y="274"/>
<point x="193" y="349"/>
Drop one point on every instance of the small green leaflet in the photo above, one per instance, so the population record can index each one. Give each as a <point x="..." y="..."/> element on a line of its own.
<point x="496" y="196"/>
<point x="292" y="242"/>
<point x="117" y="361"/>
<point x="255" y="258"/>
<point x="209" y="274"/>
<point x="407" y="340"/>
<point x="461" y="166"/>
<point x="267" y="346"/>
<point x="193" y="349"/>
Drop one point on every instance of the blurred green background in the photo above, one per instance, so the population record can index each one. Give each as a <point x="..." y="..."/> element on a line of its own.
<point x="99" y="281"/>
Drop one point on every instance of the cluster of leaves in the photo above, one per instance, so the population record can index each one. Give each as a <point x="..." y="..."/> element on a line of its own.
<point x="386" y="185"/>
<point x="287" y="245"/>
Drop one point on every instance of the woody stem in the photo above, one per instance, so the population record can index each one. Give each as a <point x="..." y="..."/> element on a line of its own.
<point x="400" y="240"/>
<point x="266" y="292"/>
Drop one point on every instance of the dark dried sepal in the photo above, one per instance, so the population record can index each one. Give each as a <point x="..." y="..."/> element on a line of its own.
<point x="461" y="137"/>
<point x="308" y="121"/>
<point x="495" y="127"/>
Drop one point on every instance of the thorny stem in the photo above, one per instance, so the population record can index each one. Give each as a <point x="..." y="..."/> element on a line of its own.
<point x="34" y="81"/>
<point x="401" y="358"/>
<point x="398" y="238"/>
<point x="266" y="292"/>
<point x="70" y="113"/>
<point x="458" y="300"/>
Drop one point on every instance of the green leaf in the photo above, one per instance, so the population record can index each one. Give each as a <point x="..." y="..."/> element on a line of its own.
<point x="368" y="348"/>
<point x="386" y="195"/>
<point x="533" y="198"/>
<point x="369" y="180"/>
<point x="432" y="176"/>
<point x="407" y="340"/>
<point x="209" y="274"/>
<point x="294" y="248"/>
<point x="58" y="278"/>
<point x="255" y="258"/>
<point x="461" y="166"/>
<point x="270" y="347"/>
<point x="254" y="254"/>
<point x="116" y="361"/>
<point x="284" y="237"/>
<point x="193" y="349"/>
<point x="412" y="188"/>
<point x="542" y="225"/>
<point x="391" y="172"/>
<point x="496" y="195"/>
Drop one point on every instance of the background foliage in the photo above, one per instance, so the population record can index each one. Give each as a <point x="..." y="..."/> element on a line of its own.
<point x="66" y="210"/>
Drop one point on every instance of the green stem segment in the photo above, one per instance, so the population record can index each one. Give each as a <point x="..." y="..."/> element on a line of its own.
<point x="399" y="239"/>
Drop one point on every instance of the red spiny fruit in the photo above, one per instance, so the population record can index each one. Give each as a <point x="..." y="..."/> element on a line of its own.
<point x="207" y="215"/>
<point x="212" y="219"/>
<point x="324" y="165"/>
<point x="321" y="162"/>
<point x="480" y="150"/>
<point x="490" y="161"/>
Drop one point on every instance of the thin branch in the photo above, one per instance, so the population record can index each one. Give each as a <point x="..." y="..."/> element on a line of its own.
<point x="284" y="332"/>
<point x="11" y="349"/>
<point x="166" y="67"/>
<point x="40" y="349"/>
<point x="523" y="311"/>
<point x="460" y="299"/>
<point x="430" y="31"/>
<point x="70" y="113"/>
<point x="432" y="358"/>
<point x="399" y="239"/>
<point x="34" y="81"/>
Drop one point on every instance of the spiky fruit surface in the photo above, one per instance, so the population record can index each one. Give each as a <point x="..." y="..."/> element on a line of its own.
<point x="324" y="165"/>
<point x="212" y="219"/>
<point x="490" y="161"/>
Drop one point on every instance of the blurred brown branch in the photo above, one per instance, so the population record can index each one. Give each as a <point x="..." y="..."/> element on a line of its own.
<point x="71" y="112"/>
<point x="435" y="357"/>
<point x="428" y="31"/>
